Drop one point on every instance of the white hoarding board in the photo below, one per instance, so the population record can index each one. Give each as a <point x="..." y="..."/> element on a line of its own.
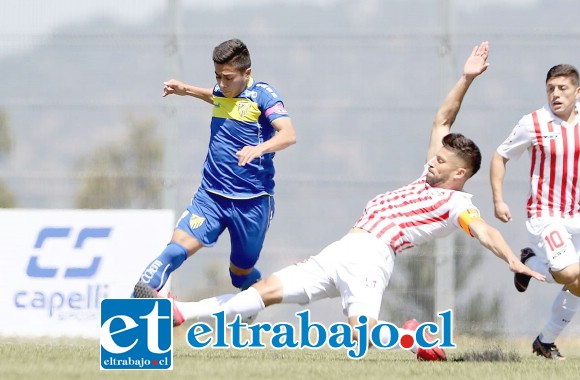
<point x="57" y="265"/>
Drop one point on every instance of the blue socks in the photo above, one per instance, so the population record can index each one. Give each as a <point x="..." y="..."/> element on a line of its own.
<point x="243" y="282"/>
<point x="158" y="271"/>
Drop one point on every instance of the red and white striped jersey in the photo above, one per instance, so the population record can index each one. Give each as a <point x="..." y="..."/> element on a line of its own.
<point x="554" y="148"/>
<point x="415" y="214"/>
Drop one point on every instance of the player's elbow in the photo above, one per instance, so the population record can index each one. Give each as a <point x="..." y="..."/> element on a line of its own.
<point x="290" y="138"/>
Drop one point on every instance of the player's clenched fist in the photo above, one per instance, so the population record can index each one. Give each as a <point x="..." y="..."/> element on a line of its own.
<point x="173" y="86"/>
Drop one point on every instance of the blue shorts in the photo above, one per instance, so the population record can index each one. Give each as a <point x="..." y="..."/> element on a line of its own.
<point x="247" y="221"/>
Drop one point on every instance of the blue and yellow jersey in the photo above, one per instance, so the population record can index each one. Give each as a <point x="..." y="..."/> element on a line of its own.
<point x="245" y="120"/>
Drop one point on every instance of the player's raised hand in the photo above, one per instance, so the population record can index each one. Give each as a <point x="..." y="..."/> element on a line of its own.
<point x="173" y="86"/>
<point x="477" y="61"/>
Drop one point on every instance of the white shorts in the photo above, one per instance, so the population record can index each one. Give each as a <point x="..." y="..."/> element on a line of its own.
<point x="357" y="268"/>
<point x="556" y="241"/>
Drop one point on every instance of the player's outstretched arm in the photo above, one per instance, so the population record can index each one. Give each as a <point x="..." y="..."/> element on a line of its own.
<point x="176" y="87"/>
<point x="475" y="65"/>
<point x="492" y="239"/>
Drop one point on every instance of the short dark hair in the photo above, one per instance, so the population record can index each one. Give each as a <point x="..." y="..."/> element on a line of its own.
<point x="563" y="70"/>
<point x="465" y="149"/>
<point x="233" y="52"/>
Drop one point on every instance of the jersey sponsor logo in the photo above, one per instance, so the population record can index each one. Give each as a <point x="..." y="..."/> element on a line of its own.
<point x="136" y="334"/>
<point x="195" y="221"/>
<point x="551" y="136"/>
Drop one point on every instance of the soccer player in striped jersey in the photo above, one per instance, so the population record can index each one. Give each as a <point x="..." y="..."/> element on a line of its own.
<point x="249" y="123"/>
<point x="358" y="267"/>
<point x="551" y="135"/>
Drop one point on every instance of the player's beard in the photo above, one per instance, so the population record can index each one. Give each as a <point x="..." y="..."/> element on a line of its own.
<point x="434" y="180"/>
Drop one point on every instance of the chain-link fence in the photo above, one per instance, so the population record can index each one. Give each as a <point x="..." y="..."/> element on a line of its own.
<point x="84" y="124"/>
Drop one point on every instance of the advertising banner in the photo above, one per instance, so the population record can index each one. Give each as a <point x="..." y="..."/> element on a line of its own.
<point x="57" y="265"/>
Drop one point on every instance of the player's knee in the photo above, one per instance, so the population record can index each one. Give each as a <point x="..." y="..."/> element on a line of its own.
<point x="569" y="276"/>
<point x="574" y="287"/>
<point x="244" y="281"/>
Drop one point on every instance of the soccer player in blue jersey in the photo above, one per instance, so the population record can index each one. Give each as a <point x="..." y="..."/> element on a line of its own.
<point x="249" y="123"/>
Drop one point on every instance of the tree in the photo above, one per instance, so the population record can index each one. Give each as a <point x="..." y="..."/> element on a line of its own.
<point x="7" y="199"/>
<point x="126" y="173"/>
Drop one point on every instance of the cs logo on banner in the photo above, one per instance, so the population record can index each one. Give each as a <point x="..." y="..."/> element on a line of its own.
<point x="50" y="234"/>
<point x="136" y="333"/>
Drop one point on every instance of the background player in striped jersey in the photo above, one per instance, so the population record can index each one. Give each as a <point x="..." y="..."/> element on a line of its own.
<point x="358" y="267"/>
<point x="551" y="135"/>
<point x="249" y="123"/>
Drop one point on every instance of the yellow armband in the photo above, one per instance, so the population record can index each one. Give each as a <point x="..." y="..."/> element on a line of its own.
<point x="467" y="217"/>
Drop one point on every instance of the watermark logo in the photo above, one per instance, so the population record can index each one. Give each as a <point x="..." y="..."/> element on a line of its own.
<point x="313" y="335"/>
<point x="136" y="333"/>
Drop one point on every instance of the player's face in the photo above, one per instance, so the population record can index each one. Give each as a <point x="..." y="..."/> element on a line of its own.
<point x="446" y="170"/>
<point x="231" y="81"/>
<point x="562" y="94"/>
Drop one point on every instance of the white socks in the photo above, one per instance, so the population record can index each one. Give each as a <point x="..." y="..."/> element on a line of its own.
<point x="563" y="309"/>
<point x="203" y="309"/>
<point x="246" y="303"/>
<point x="535" y="264"/>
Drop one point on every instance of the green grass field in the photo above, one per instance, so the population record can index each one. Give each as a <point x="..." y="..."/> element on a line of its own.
<point x="79" y="359"/>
